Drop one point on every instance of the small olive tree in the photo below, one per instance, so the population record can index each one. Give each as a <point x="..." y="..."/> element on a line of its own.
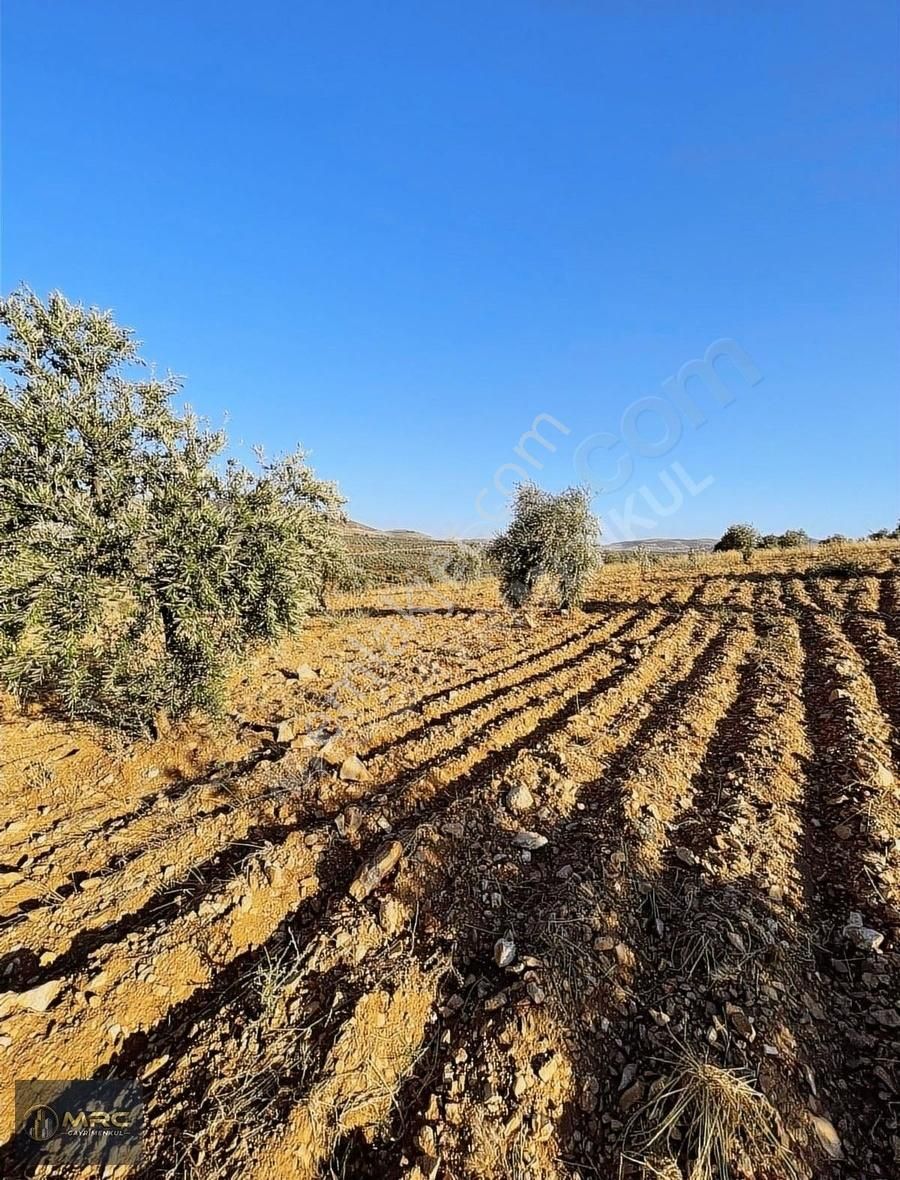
<point x="550" y="533"/>
<point x="794" y="539"/>
<point x="132" y="562"/>
<point x="465" y="563"/>
<point x="738" y="537"/>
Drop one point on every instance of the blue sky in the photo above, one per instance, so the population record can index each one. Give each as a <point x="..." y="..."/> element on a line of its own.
<point x="397" y="233"/>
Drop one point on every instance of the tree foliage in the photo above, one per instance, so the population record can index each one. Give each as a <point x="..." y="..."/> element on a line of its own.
<point x="133" y="561"/>
<point x="465" y="563"/>
<point x="738" y="537"/>
<point x="794" y="539"/>
<point x="553" y="534"/>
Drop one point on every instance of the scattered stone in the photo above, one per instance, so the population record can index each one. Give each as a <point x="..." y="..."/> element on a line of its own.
<point x="286" y="730"/>
<point x="309" y="741"/>
<point x="519" y="798"/>
<point x="843" y="831"/>
<point x="425" y="1140"/>
<point x="624" y="955"/>
<point x="886" y="1017"/>
<point x="353" y="771"/>
<point x="334" y="752"/>
<point x="433" y="1110"/>
<point x="39" y="999"/>
<point x="348" y="822"/>
<point x="530" y="841"/>
<point x="373" y="872"/>
<point x="740" y="1022"/>
<point x="453" y="1112"/>
<point x="862" y="937"/>
<point x="686" y="856"/>
<point x="535" y="992"/>
<point x="661" y="1019"/>
<point x="590" y="1095"/>
<point x="547" y="1071"/>
<point x="303" y="672"/>
<point x="504" y="951"/>
<point x="631" y="1096"/>
<point x="154" y="1066"/>
<point x="827" y="1136"/>
<point x="882" y="777"/>
<point x="629" y="1073"/>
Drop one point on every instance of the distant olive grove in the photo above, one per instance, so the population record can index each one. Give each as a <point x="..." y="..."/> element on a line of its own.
<point x="744" y="538"/>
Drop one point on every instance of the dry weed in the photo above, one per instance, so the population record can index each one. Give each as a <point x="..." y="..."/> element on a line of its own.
<point x="715" y="1119"/>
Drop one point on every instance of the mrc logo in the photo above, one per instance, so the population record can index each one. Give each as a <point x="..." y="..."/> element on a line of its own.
<point x="79" y="1120"/>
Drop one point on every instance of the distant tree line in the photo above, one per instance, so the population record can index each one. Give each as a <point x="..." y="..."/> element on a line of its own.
<point x="744" y="538"/>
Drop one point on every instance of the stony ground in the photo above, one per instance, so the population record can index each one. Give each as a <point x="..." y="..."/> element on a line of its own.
<point x="451" y="894"/>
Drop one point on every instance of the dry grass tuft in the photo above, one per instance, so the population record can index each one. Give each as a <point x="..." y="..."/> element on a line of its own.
<point x="716" y="1121"/>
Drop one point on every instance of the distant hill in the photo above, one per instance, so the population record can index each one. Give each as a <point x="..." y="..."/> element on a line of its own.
<point x="664" y="544"/>
<point x="655" y="545"/>
<point x="354" y="526"/>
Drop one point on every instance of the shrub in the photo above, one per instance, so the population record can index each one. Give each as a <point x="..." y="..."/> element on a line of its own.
<point x="794" y="539"/>
<point x="738" y="537"/>
<point x="131" y="565"/>
<point x="553" y="534"/>
<point x="466" y="562"/>
<point x="646" y="559"/>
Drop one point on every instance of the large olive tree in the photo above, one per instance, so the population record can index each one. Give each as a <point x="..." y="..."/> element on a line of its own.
<point x="133" y="561"/>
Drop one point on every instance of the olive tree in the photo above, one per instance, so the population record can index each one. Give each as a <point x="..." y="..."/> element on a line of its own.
<point x="550" y="533"/>
<point x="794" y="539"/>
<point x="465" y="563"/>
<point x="133" y="561"/>
<point x="740" y="537"/>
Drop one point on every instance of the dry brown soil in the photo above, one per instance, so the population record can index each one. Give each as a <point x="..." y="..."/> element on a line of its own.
<point x="707" y="757"/>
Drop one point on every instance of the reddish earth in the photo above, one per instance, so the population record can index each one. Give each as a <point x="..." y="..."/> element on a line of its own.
<point x="663" y="830"/>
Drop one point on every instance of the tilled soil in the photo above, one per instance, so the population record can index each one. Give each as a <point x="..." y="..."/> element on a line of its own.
<point x="658" y="839"/>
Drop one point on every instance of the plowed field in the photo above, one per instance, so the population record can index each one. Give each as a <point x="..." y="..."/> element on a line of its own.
<point x="618" y="859"/>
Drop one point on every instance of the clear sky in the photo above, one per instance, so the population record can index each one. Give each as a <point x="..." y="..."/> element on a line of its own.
<point x="398" y="232"/>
